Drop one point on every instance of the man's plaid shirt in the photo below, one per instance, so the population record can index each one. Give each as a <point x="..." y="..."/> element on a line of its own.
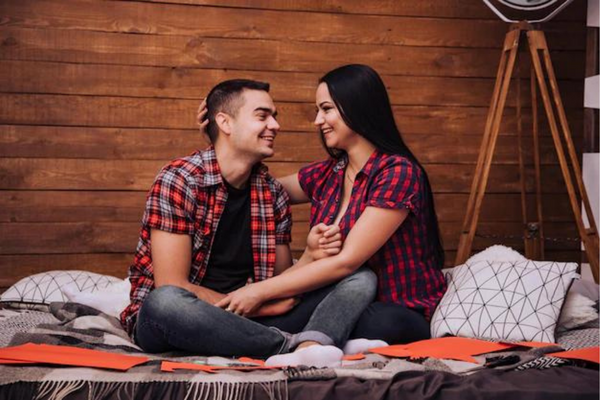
<point x="406" y="266"/>
<point x="188" y="197"/>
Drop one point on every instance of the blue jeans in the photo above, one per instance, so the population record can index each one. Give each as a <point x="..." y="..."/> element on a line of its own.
<point x="172" y="318"/>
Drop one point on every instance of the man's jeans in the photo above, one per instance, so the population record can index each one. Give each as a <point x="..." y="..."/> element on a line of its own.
<point x="172" y="318"/>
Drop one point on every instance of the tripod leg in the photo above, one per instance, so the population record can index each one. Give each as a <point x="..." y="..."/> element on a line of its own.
<point x="531" y="235"/>
<point x="492" y="127"/>
<point x="589" y="237"/>
<point x="536" y="161"/>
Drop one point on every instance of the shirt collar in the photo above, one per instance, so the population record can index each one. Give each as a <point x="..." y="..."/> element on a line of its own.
<point x="369" y="167"/>
<point x="212" y="171"/>
<point x="341" y="163"/>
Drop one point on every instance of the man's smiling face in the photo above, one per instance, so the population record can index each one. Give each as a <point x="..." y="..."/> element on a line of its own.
<point x="254" y="127"/>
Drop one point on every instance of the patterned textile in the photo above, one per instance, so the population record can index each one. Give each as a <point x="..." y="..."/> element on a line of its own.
<point x="304" y="373"/>
<point x="544" y="363"/>
<point x="188" y="197"/>
<point x="408" y="271"/>
<point x="518" y="300"/>
<point x="84" y="327"/>
<point x="13" y="323"/>
<point x="80" y="326"/>
<point x="579" y="338"/>
<point x="46" y="287"/>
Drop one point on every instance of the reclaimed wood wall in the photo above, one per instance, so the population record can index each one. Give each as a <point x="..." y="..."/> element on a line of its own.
<point x="95" y="96"/>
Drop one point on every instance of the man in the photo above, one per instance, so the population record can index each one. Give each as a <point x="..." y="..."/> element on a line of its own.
<point x="214" y="221"/>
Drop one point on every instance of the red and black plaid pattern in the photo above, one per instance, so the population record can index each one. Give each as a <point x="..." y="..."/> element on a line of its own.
<point x="188" y="197"/>
<point x="406" y="264"/>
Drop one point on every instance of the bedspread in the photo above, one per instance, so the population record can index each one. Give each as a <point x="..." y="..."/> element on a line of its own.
<point x="376" y="377"/>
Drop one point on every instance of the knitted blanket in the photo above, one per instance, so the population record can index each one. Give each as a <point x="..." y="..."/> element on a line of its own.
<point x="81" y="326"/>
<point x="77" y="325"/>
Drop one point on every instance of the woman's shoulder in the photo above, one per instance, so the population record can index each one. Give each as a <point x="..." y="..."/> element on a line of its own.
<point x="320" y="167"/>
<point x="397" y="163"/>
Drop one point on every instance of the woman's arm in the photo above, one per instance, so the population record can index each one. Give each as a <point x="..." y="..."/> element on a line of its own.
<point x="294" y="190"/>
<point x="374" y="227"/>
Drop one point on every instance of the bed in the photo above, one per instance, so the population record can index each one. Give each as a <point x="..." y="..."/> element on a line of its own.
<point x="534" y="375"/>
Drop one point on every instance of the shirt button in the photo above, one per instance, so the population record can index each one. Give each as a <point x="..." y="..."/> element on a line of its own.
<point x="337" y="199"/>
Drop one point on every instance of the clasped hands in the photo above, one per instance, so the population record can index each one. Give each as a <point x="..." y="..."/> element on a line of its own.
<point x="250" y="301"/>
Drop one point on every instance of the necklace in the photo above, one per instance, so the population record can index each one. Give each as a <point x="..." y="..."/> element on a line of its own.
<point x="351" y="180"/>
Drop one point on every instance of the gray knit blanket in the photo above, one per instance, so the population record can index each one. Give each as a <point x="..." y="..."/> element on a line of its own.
<point x="77" y="325"/>
<point x="81" y="326"/>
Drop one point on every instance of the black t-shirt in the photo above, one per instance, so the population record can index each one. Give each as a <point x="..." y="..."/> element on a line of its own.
<point x="231" y="261"/>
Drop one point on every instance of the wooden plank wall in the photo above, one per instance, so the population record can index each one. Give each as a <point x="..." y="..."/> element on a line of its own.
<point x="95" y="96"/>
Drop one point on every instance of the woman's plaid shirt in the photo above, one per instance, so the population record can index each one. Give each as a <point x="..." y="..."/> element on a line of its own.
<point x="406" y="264"/>
<point x="188" y="197"/>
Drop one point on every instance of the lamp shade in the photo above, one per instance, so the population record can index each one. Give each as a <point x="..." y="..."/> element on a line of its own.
<point x="526" y="10"/>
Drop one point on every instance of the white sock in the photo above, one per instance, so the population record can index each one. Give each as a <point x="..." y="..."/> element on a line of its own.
<point x="312" y="356"/>
<point x="356" y="346"/>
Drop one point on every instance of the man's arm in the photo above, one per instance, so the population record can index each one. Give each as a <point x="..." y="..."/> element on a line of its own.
<point x="172" y="261"/>
<point x="283" y="258"/>
<point x="172" y="258"/>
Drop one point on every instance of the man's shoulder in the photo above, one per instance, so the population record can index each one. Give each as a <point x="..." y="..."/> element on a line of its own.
<point x="190" y="168"/>
<point x="193" y="163"/>
<point x="274" y="185"/>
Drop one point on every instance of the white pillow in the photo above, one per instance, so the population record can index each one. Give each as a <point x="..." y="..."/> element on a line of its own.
<point x="45" y="287"/>
<point x="577" y="310"/>
<point x="519" y="300"/>
<point x="496" y="252"/>
<point x="111" y="300"/>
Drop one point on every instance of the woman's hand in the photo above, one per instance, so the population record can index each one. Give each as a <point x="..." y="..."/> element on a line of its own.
<point x="276" y="307"/>
<point x="323" y="241"/>
<point x="201" y="117"/>
<point x="245" y="301"/>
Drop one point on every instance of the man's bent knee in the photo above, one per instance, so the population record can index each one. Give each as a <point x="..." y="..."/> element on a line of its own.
<point x="163" y="301"/>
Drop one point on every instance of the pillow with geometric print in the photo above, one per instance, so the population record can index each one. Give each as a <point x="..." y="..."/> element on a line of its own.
<point x="515" y="301"/>
<point x="39" y="290"/>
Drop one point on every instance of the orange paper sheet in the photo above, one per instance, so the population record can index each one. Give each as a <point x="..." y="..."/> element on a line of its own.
<point x="170" y="366"/>
<point x="591" y="354"/>
<point x="454" y="348"/>
<point x="73" y="356"/>
<point x="7" y="361"/>
<point x="354" y="357"/>
<point x="535" y="344"/>
<point x="251" y="360"/>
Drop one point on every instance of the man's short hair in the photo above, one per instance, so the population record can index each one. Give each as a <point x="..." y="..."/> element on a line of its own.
<point x="227" y="97"/>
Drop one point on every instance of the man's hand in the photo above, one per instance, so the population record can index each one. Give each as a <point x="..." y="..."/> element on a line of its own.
<point x="201" y="117"/>
<point x="245" y="301"/>
<point x="323" y="241"/>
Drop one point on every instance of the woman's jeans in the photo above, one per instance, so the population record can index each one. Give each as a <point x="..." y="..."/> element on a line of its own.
<point x="172" y="318"/>
<point x="392" y="323"/>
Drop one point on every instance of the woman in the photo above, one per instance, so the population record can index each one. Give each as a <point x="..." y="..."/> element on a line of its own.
<point x="378" y="193"/>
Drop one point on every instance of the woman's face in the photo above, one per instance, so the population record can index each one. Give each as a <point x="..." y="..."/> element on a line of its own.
<point x="329" y="121"/>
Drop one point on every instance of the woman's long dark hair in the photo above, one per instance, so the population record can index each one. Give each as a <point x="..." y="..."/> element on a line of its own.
<point x="362" y="100"/>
